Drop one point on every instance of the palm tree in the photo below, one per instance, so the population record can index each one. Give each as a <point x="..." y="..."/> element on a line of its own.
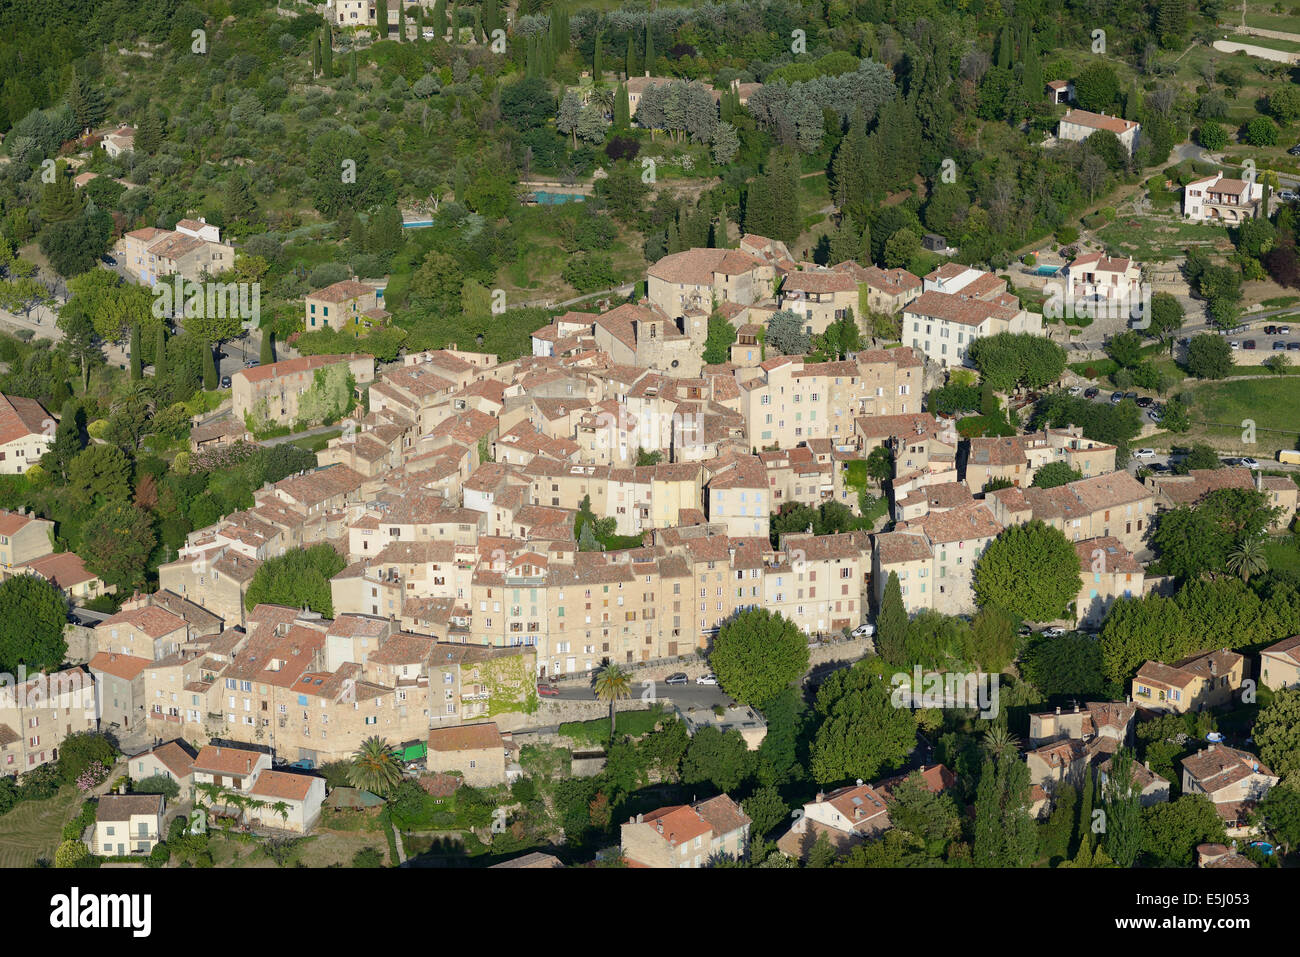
<point x="1248" y="559"/>
<point x="281" y="808"/>
<point x="999" y="742"/>
<point x="613" y="683"/>
<point x="374" y="768"/>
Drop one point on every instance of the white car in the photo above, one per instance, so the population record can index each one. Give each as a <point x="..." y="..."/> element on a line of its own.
<point x="707" y="680"/>
<point x="1234" y="344"/>
<point x="1144" y="454"/>
<point x="1053" y="632"/>
<point x="1076" y="390"/>
<point x="1248" y="463"/>
<point x="864" y="631"/>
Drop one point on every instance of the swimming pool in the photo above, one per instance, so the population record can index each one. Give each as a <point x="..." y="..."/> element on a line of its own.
<point x="1046" y="270"/>
<point x="555" y="199"/>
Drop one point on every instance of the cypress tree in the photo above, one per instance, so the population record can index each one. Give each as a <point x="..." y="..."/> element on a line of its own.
<point x="419" y="23"/>
<point x="1085" y="813"/>
<point x="209" y="368"/>
<point x="60" y="200"/>
<point x="160" y="352"/>
<point x="630" y="65"/>
<point x="891" y="623"/>
<point x="649" y="46"/>
<point x="327" y="53"/>
<point x="381" y="18"/>
<point x="864" y="246"/>
<point x="1004" y="47"/>
<point x="597" y="67"/>
<point x="622" y="108"/>
<point x="148" y="133"/>
<point x="440" y="20"/>
<point x="268" y="348"/>
<point x="315" y="54"/>
<point x="69" y="439"/>
<point x="401" y="22"/>
<point x="137" y="372"/>
<point x="491" y="12"/>
<point x="352" y="66"/>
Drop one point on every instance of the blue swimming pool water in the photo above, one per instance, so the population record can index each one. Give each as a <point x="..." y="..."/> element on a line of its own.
<point x="1047" y="270"/>
<point x="555" y="199"/>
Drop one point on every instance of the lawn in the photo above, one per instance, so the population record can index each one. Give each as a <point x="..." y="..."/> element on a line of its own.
<point x="34" y="829"/>
<point x="1158" y="240"/>
<point x="1282" y="554"/>
<point x="1221" y="411"/>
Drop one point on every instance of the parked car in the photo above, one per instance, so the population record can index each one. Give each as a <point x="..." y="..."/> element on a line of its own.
<point x="1131" y="395"/>
<point x="1159" y="467"/>
<point x="1053" y="632"/>
<point x="306" y="764"/>
<point x="1232" y="461"/>
<point x="1144" y="402"/>
<point x="1288" y="195"/>
<point x="1091" y="393"/>
<point x="1279" y="345"/>
<point x="1295" y="150"/>
<point x="679" y="678"/>
<point x="546" y="691"/>
<point x="251" y="364"/>
<point x="1248" y="344"/>
<point x="1293" y="347"/>
<point x="1284" y="330"/>
<point x="707" y="680"/>
<point x="1116" y="397"/>
<point x="225" y="382"/>
<point x="1234" y="344"/>
<point x="1155" y="415"/>
<point x="1076" y="390"/>
<point x="1270" y="330"/>
<point x="1144" y="454"/>
<point x="1248" y="462"/>
<point x="864" y="631"/>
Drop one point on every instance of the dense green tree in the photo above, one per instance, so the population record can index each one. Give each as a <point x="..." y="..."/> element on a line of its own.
<point x="861" y="732"/>
<point x="719" y="758"/>
<point x="891" y="623"/>
<point x="1031" y="570"/>
<point x="1170" y="832"/>
<point x="757" y="654"/>
<point x="299" y="579"/>
<point x="1004" y="831"/>
<point x="1123" y="810"/>
<point x="1277" y="734"/>
<point x="116" y="542"/>
<point x="1069" y="664"/>
<point x="1055" y="473"/>
<point x="99" y="473"/>
<point x="1209" y="356"/>
<point x="32" y="615"/>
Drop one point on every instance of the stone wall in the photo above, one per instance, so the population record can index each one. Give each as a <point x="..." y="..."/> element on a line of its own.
<point x="81" y="643"/>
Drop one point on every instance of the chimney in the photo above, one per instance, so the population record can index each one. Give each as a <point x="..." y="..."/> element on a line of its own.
<point x="1076" y="707"/>
<point x="1058" y="709"/>
<point x="859" y="782"/>
<point x="647" y="73"/>
<point x="640" y="818"/>
<point x="250" y="765"/>
<point x="821" y="796"/>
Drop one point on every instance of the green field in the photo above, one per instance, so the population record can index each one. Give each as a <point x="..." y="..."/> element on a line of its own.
<point x="1157" y="240"/>
<point x="34" y="829"/>
<point x="1221" y="408"/>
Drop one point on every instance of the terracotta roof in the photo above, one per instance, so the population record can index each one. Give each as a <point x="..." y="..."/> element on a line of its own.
<point x="150" y="619"/>
<point x="175" y="756"/>
<point x="21" y="417"/>
<point x="127" y="667"/>
<point x="342" y="291"/>
<point x="120" y="807"/>
<point x="290" y="366"/>
<point x="466" y="737"/>
<point x="283" y="786"/>
<point x="226" y="760"/>
<point x="1098" y="121"/>
<point x="62" y="569"/>
<point x="1286" y="648"/>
